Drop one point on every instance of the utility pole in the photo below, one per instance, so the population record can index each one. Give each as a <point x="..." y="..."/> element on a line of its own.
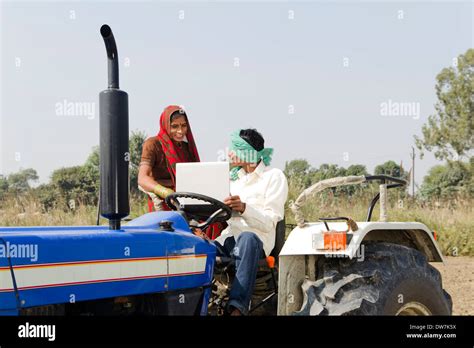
<point x="413" y="171"/>
<point x="401" y="175"/>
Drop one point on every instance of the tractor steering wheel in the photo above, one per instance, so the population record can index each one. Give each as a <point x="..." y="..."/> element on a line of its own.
<point x="215" y="211"/>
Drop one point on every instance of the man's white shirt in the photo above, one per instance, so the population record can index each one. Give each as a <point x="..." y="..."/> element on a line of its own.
<point x="264" y="191"/>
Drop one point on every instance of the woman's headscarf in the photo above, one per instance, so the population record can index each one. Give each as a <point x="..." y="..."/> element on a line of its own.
<point x="175" y="154"/>
<point x="247" y="153"/>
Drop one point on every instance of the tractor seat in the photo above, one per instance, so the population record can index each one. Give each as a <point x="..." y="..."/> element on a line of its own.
<point x="270" y="261"/>
<point x="226" y="263"/>
<point x="266" y="265"/>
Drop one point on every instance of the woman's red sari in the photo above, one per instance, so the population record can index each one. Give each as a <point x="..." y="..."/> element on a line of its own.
<point x="175" y="154"/>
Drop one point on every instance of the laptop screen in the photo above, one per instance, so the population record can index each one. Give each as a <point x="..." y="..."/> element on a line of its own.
<point x="206" y="178"/>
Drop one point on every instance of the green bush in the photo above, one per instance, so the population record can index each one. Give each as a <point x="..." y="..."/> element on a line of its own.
<point x="448" y="181"/>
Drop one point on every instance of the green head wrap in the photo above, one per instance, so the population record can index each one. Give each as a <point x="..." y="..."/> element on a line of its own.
<point x="246" y="153"/>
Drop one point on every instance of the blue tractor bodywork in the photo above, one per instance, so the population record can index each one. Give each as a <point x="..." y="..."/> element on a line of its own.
<point x="153" y="265"/>
<point x="74" y="264"/>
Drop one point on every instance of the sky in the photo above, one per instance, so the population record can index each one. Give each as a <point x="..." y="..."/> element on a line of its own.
<point x="331" y="82"/>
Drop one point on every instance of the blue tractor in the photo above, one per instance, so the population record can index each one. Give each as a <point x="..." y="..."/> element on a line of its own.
<point x="153" y="265"/>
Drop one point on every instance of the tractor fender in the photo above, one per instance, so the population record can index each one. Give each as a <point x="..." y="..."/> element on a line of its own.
<point x="299" y="255"/>
<point x="301" y="240"/>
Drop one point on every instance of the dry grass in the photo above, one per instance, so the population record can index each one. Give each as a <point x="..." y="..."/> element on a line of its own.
<point x="26" y="211"/>
<point x="453" y="221"/>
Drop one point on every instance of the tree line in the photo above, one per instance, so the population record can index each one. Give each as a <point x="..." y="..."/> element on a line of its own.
<point x="448" y="134"/>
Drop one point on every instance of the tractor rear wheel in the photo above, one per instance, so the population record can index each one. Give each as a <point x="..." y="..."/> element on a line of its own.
<point x="390" y="280"/>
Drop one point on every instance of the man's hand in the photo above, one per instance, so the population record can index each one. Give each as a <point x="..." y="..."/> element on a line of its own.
<point x="235" y="203"/>
<point x="198" y="232"/>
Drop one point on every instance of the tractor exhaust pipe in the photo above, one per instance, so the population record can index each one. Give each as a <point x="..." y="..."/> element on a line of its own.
<point x="112" y="55"/>
<point x="114" y="149"/>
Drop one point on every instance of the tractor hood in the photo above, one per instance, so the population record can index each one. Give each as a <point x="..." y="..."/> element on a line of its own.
<point x="46" y="265"/>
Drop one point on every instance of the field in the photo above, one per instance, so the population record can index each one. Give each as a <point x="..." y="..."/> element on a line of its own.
<point x="458" y="281"/>
<point x="453" y="222"/>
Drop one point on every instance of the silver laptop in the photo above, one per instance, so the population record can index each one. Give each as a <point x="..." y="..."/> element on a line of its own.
<point x="207" y="178"/>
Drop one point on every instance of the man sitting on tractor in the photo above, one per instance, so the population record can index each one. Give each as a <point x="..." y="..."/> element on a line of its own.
<point x="258" y="195"/>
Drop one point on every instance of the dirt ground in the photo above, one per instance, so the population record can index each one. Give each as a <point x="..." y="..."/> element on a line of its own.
<point x="458" y="281"/>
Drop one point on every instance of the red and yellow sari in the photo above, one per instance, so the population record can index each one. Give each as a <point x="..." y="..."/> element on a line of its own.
<point x="178" y="154"/>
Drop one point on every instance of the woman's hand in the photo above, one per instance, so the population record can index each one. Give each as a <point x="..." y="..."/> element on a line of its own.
<point x="162" y="191"/>
<point x="149" y="184"/>
<point x="235" y="203"/>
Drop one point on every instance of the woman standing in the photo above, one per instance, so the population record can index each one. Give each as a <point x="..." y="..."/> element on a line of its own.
<point x="173" y="144"/>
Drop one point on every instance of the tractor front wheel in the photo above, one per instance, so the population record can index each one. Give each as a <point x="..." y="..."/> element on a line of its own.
<point x="388" y="279"/>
